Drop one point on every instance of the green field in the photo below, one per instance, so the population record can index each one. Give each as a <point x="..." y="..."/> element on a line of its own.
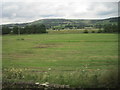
<point x="77" y="60"/>
<point x="72" y="31"/>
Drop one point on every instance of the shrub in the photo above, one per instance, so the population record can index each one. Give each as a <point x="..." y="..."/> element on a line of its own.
<point x="93" y="32"/>
<point x="85" y="31"/>
<point x="99" y="31"/>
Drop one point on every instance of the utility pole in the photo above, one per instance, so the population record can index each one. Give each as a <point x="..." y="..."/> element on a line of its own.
<point x="18" y="31"/>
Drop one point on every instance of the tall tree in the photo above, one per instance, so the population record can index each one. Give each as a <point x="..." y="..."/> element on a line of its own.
<point x="6" y="30"/>
<point x="15" y="29"/>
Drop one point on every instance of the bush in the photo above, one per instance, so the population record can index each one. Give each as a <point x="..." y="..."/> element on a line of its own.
<point x="20" y="39"/>
<point x="93" y="32"/>
<point x="99" y="31"/>
<point x="85" y="31"/>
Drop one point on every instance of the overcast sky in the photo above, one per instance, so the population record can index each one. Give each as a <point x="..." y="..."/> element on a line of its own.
<point x="16" y="11"/>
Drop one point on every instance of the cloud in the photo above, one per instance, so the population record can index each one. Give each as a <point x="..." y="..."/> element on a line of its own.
<point x="104" y="9"/>
<point x="61" y="0"/>
<point x="13" y="12"/>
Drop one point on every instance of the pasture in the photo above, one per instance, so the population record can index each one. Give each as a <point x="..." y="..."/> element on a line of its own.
<point x="76" y="60"/>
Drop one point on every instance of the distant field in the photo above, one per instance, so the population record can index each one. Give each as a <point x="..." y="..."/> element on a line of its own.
<point x="77" y="60"/>
<point x="71" y="31"/>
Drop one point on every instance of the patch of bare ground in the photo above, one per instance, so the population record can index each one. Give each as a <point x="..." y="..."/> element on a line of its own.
<point x="106" y="56"/>
<point x="46" y="46"/>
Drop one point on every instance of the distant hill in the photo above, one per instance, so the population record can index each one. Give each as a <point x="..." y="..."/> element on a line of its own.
<point x="64" y="23"/>
<point x="86" y="22"/>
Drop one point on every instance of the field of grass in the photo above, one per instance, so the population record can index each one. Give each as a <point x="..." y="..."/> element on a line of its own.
<point x="77" y="60"/>
<point x="72" y="31"/>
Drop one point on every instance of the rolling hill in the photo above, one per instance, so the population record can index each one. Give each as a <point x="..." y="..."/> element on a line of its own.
<point x="53" y="23"/>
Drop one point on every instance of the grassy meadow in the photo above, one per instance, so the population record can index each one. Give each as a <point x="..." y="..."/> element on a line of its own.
<point x="77" y="60"/>
<point x="72" y="31"/>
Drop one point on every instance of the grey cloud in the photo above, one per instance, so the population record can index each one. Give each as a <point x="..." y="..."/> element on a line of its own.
<point x="104" y="8"/>
<point x="26" y="11"/>
<point x="107" y="13"/>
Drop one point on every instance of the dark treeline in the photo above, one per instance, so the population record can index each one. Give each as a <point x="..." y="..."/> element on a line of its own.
<point x="29" y="29"/>
<point x="69" y="26"/>
<point x="107" y="28"/>
<point x="34" y="29"/>
<point x="103" y="28"/>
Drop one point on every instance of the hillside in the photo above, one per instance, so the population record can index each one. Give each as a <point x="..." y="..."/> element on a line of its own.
<point x="69" y="23"/>
<point x="85" y="22"/>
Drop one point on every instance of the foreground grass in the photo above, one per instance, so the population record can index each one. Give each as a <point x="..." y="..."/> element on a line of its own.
<point x="78" y="60"/>
<point x="78" y="78"/>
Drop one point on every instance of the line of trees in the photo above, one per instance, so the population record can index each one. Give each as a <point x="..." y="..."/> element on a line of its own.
<point x="107" y="28"/>
<point x="29" y="29"/>
<point x="69" y="26"/>
<point x="110" y="28"/>
<point x="103" y="28"/>
<point x="34" y="29"/>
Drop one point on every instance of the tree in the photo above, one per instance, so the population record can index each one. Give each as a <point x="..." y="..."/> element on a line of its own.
<point x="42" y="28"/>
<point x="110" y="28"/>
<point x="85" y="31"/>
<point x="22" y="30"/>
<point x="6" y="30"/>
<point x="33" y="29"/>
<point x="15" y="30"/>
<point x="27" y="29"/>
<point x="99" y="31"/>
